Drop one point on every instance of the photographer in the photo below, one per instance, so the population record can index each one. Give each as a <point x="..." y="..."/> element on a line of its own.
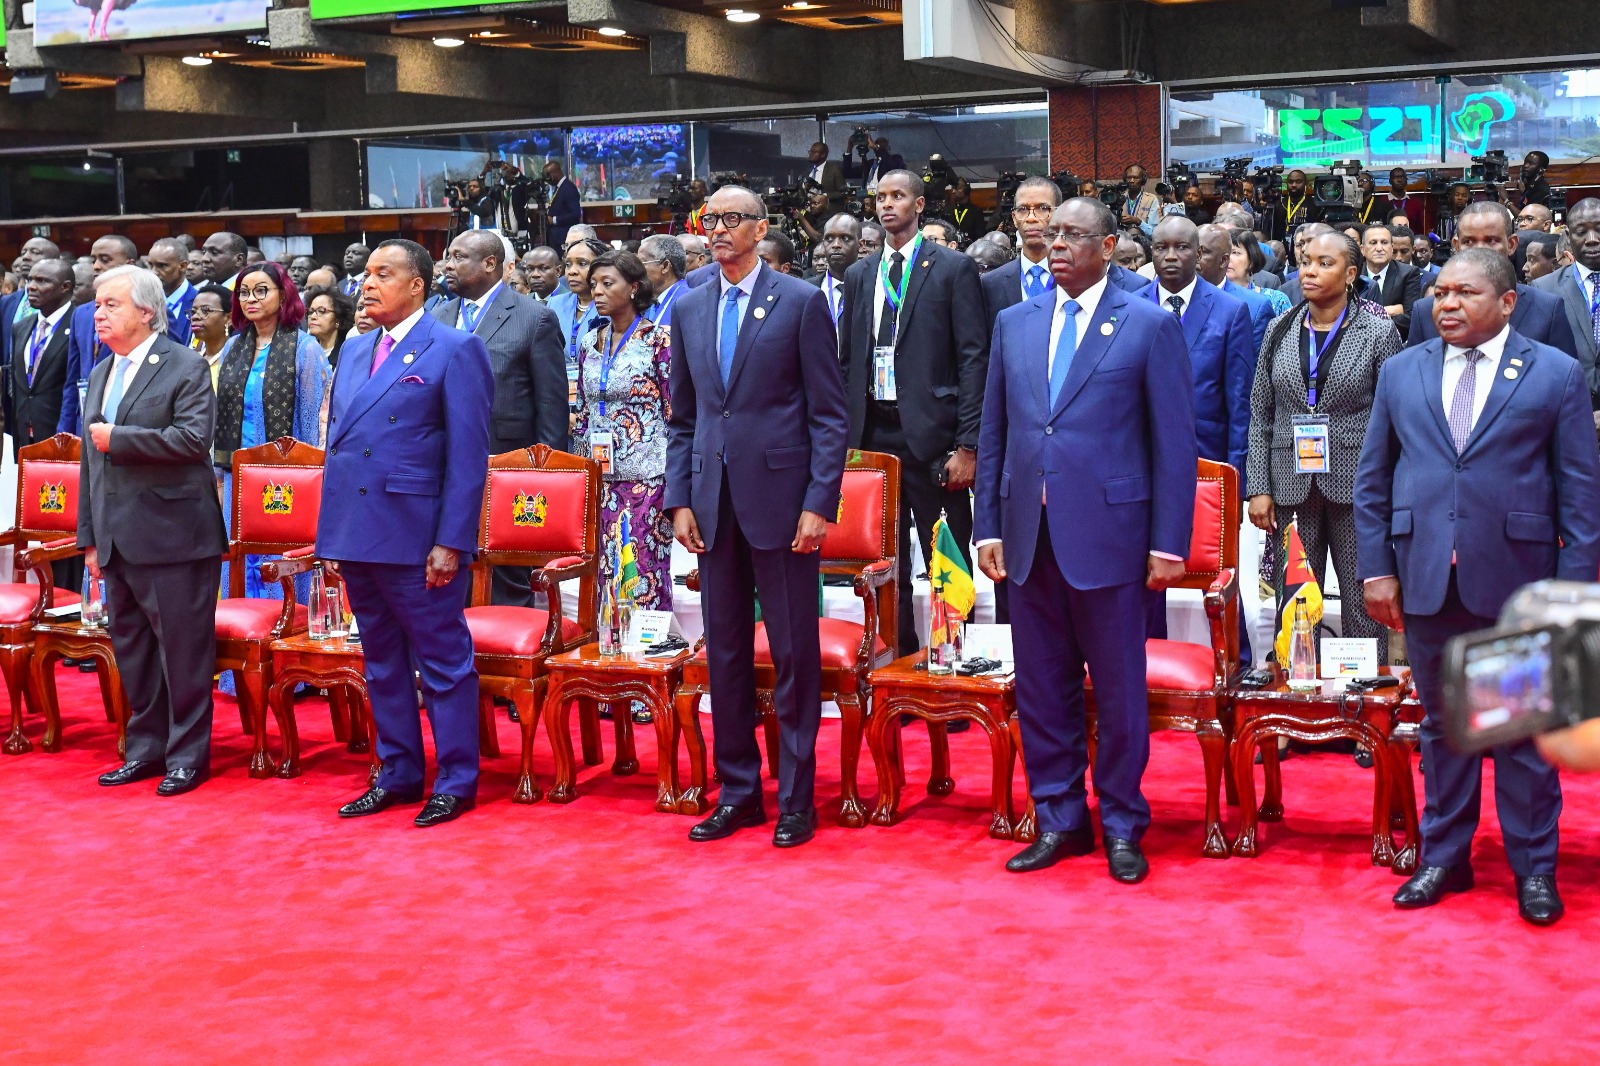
<point x="1455" y="514"/>
<point x="967" y="218"/>
<point x="1141" y="209"/>
<point x="871" y="159"/>
<point x="1534" y="186"/>
<point x="815" y="216"/>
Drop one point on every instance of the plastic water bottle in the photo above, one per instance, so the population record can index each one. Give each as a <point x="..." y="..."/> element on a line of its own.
<point x="318" y="608"/>
<point x="338" y="612"/>
<point x="93" y="611"/>
<point x="1302" y="651"/>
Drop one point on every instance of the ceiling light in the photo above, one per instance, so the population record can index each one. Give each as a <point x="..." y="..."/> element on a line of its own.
<point x="738" y="15"/>
<point x="87" y="165"/>
<point x="801" y="6"/>
<point x="611" y="31"/>
<point x="448" y="42"/>
<point x="197" y="61"/>
<point x="489" y="35"/>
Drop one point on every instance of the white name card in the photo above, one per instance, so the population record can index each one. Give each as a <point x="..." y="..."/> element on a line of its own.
<point x="987" y="641"/>
<point x="1346" y="657"/>
<point x="646" y="628"/>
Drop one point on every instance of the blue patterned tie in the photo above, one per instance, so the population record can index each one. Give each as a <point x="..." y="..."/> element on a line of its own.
<point x="469" y="314"/>
<point x="1035" y="281"/>
<point x="1066" y="348"/>
<point x="1594" y="306"/>
<point x="113" y="397"/>
<point x="1462" y="401"/>
<point x="728" y="337"/>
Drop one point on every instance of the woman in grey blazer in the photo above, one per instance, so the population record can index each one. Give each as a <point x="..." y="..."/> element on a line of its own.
<point x="1347" y="341"/>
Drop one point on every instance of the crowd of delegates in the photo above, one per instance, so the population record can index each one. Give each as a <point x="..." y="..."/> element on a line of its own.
<point x="1251" y="337"/>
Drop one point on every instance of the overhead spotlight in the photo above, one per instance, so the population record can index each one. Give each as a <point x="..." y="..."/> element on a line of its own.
<point x="801" y="5"/>
<point x="87" y="165"/>
<point x="197" y="61"/>
<point x="448" y="42"/>
<point x="611" y="31"/>
<point x="489" y="35"/>
<point x="740" y="15"/>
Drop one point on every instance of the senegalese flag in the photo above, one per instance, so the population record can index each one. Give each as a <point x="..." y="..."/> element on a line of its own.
<point x="948" y="574"/>
<point x="1294" y="580"/>
<point x="627" y="563"/>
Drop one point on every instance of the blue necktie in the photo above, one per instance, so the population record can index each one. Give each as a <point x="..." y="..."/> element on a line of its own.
<point x="728" y="337"/>
<point x="113" y="398"/>
<point x="1035" y="281"/>
<point x="469" y="314"/>
<point x="1594" y="305"/>
<point x="1066" y="348"/>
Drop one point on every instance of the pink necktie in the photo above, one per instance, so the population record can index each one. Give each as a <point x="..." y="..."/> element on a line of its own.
<point x="385" y="346"/>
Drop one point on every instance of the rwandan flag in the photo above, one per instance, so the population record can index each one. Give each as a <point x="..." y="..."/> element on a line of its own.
<point x="949" y="575"/>
<point x="627" y="564"/>
<point x="1294" y="579"/>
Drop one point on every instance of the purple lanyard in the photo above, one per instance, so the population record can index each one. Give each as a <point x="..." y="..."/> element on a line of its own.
<point x="1314" y="361"/>
<point x="609" y="357"/>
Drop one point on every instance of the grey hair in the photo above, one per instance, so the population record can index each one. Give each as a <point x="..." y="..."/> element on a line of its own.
<point x="144" y="289"/>
<point x="665" y="247"/>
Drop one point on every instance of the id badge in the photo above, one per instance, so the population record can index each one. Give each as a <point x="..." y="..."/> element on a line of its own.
<point x="1311" y="444"/>
<point x="600" y="451"/>
<point x="883" y="375"/>
<point x="572" y="386"/>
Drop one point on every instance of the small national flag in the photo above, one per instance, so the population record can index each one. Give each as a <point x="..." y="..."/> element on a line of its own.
<point x="1294" y="579"/>
<point x="949" y="576"/>
<point x="627" y="564"/>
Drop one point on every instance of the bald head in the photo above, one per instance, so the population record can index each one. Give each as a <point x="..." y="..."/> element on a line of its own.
<point x="1216" y="245"/>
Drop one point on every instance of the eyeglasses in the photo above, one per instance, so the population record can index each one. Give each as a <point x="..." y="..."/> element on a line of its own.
<point x="1032" y="212"/>
<point x="731" y="219"/>
<point x="259" y="293"/>
<point x="652" y="262"/>
<point x="319" y="311"/>
<point x="1073" y="236"/>
<point x="209" y="311"/>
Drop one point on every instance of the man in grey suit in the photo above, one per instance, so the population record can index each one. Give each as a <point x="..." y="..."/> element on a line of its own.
<point x="530" y="370"/>
<point x="1578" y="286"/>
<point x="151" y="525"/>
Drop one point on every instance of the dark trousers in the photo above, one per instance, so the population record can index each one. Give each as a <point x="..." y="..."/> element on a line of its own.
<point x="1527" y="790"/>
<point x="164" y="632"/>
<point x="1056" y="631"/>
<point x="730" y="570"/>
<point x="509" y="586"/>
<point x="922" y="498"/>
<point x="408" y="629"/>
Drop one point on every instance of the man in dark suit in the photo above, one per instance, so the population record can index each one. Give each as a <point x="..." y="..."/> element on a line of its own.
<point x="169" y="260"/>
<point x="871" y="164"/>
<point x="14" y="306"/>
<point x="38" y="368"/>
<point x="915" y="349"/>
<point x="149" y="522"/>
<point x="1479" y="475"/>
<point x="841" y="239"/>
<point x="529" y="362"/>
<point x="85" y="350"/>
<point x="827" y="174"/>
<point x="566" y="205"/>
<point x="1085" y="499"/>
<point x="664" y="264"/>
<point x="402" y="490"/>
<point x="1394" y="285"/>
<point x="1539" y="316"/>
<point x="755" y="457"/>
<point x="1578" y="286"/>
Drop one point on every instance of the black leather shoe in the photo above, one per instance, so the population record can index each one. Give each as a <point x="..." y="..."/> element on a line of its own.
<point x="374" y="800"/>
<point x="1051" y="848"/>
<point x="1364" y="758"/>
<point x="1430" y="883"/>
<point x="726" y="821"/>
<point x="1537" y="900"/>
<point x="132" y="771"/>
<point x="795" y="829"/>
<point x="442" y="808"/>
<point x="181" y="779"/>
<point x="1125" y="861"/>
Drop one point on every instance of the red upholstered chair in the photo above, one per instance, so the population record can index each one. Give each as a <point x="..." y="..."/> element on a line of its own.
<point x="47" y="514"/>
<point x="277" y="498"/>
<point x="541" y="509"/>
<point x="861" y="541"/>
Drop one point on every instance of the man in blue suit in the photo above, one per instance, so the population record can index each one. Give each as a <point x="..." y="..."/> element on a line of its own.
<point x="1085" y="499"/>
<point x="402" y="489"/>
<point x="84" y="348"/>
<point x="170" y="261"/>
<point x="1479" y="475"/>
<point x="755" y="457"/>
<point x="1216" y="246"/>
<point x="1539" y="315"/>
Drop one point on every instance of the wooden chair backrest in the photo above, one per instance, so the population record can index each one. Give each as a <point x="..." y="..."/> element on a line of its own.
<point x="865" y="528"/>
<point x="47" y="489"/>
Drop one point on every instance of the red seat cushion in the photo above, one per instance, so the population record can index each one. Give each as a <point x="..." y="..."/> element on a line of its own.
<point x="241" y="618"/>
<point x="1177" y="666"/>
<point x="513" y="630"/>
<point x="841" y="642"/>
<point x="17" y="600"/>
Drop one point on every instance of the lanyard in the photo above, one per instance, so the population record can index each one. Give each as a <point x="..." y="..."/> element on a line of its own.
<point x="897" y="297"/>
<point x="669" y="298"/>
<point x="609" y="358"/>
<point x="1366" y="212"/>
<point x="1294" y="208"/>
<point x="579" y="318"/>
<point x="1314" y="361"/>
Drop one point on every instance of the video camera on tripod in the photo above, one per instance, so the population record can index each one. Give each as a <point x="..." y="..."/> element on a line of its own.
<point x="937" y="177"/>
<point x="677" y="198"/>
<point x="1490" y="168"/>
<point x="1337" y="193"/>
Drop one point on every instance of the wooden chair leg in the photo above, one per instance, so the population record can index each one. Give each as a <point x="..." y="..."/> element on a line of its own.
<point x="43" y="673"/>
<point x="1272" y="782"/>
<point x="242" y="697"/>
<point x="1407" y="857"/>
<point x="1026" y="829"/>
<point x="1244" y="745"/>
<point x="589" y="730"/>
<point x="288" y="729"/>
<point x="488" y="736"/>
<point x="883" y="740"/>
<point x="339" y="714"/>
<point x="558" y="727"/>
<point x="940" y="783"/>
<point x="252" y="687"/>
<point x="686" y="708"/>
<point x="1214" y="749"/>
<point x="108" y="696"/>
<point x="15" y="662"/>
<point x="852" y="812"/>
<point x="626" y="762"/>
<point x="1382" y="766"/>
<point x="528" y="707"/>
<point x="1000" y="824"/>
<point x="665" y="720"/>
<point x="769" y="729"/>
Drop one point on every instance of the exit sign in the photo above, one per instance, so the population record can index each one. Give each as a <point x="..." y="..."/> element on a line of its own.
<point x="41" y="231"/>
<point x="621" y="210"/>
<point x="233" y="155"/>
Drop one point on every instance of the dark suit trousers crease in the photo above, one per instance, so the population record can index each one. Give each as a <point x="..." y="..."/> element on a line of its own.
<point x="164" y="633"/>
<point x="409" y="629"/>
<point x="1056" y="631"/>
<point x="1527" y="790"/>
<point x="921" y="499"/>
<point x="732" y="573"/>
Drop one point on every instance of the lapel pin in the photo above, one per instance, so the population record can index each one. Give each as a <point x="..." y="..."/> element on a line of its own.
<point x="1107" y="329"/>
<point x="760" y="312"/>
<point x="1511" y="374"/>
<point x="154" y="359"/>
<point x="770" y="297"/>
<point x="409" y="356"/>
<point x="927" y="263"/>
<point x="1516" y="362"/>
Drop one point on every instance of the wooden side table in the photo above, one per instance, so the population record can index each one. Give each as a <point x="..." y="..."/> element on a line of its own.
<point x="1328" y="713"/>
<point x="74" y="640"/>
<point x="1403" y="739"/>
<point x="585" y="676"/>
<point x="900" y="688"/>
<point x="335" y="665"/>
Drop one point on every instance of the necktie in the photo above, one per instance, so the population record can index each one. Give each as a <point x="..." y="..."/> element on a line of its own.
<point x="41" y="337"/>
<point x="469" y="314"/>
<point x="113" y="397"/>
<point x="1066" y="348"/>
<point x="886" y="323"/>
<point x="728" y="336"/>
<point x="1594" y="305"/>
<point x="385" y="346"/>
<point x="1461" y="403"/>
<point x="1035" y="281"/>
<point x="835" y="301"/>
<point x="1176" y="303"/>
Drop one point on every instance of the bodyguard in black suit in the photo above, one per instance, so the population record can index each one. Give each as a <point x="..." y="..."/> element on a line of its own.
<point x="530" y="371"/>
<point x="1397" y="286"/>
<point x="940" y="348"/>
<point x="566" y="205"/>
<point x="151" y="524"/>
<point x="1578" y="286"/>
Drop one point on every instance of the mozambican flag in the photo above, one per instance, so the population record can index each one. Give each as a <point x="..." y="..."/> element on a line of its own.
<point x="1294" y="579"/>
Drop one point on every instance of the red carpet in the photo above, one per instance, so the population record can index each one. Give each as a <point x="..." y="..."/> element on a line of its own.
<point x="247" y="923"/>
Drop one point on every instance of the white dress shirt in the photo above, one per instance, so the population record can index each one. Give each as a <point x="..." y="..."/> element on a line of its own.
<point x="399" y="332"/>
<point x="816" y="172"/>
<point x="878" y="293"/>
<point x="747" y="286"/>
<point x="1587" y="280"/>
<point x="482" y="304"/>
<point x="137" y="360"/>
<point x="1186" y="294"/>
<point x="834" y="288"/>
<point x="1455" y="362"/>
<point x="51" y="323"/>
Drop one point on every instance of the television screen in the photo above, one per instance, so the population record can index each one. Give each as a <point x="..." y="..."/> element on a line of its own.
<point x="58" y="22"/>
<point x="628" y="162"/>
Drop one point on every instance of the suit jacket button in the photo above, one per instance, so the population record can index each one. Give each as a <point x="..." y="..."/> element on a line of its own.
<point x="1458" y="466"/>
<point x="1049" y="430"/>
<point x="719" y="457"/>
<point x="1451" y="516"/>
<point x="333" y="451"/>
<point x="393" y="419"/>
<point x="725" y="414"/>
<point x="367" y="451"/>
